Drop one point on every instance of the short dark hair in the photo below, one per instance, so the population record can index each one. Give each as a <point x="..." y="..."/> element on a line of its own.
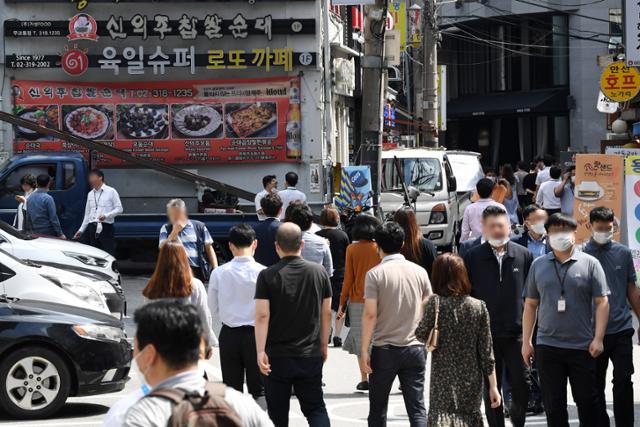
<point x="561" y="220"/>
<point x="555" y="172"/>
<point x="97" y="172"/>
<point x="601" y="214"/>
<point x="528" y="210"/>
<point x="390" y="237"/>
<point x="288" y="238"/>
<point x="301" y="215"/>
<point x="450" y="277"/>
<point x="28" y="179"/>
<point x="570" y="168"/>
<point x="493" y="211"/>
<point x="291" y="178"/>
<point x="271" y="204"/>
<point x="522" y="165"/>
<point x="266" y="180"/>
<point x="242" y="235"/>
<point x="364" y="227"/>
<point x="546" y="159"/>
<point x="43" y="180"/>
<point x="484" y="187"/>
<point x="174" y="328"/>
<point x="329" y="217"/>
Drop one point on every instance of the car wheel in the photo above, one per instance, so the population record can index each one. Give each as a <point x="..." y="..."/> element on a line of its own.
<point x="35" y="382"/>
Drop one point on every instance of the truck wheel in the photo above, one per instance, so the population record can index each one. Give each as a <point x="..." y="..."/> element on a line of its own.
<point x="35" y="383"/>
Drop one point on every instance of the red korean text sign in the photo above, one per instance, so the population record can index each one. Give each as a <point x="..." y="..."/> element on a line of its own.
<point x="179" y="122"/>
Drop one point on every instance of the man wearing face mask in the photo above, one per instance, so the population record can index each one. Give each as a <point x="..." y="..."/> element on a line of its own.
<point x="498" y="270"/>
<point x="167" y="348"/>
<point x="617" y="262"/>
<point x="535" y="236"/>
<point x="566" y="289"/>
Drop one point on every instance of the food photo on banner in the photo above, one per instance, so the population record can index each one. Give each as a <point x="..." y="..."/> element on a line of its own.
<point x="599" y="182"/>
<point x="632" y="202"/>
<point x="179" y="122"/>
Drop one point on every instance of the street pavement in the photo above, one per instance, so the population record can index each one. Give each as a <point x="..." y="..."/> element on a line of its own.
<point x="346" y="407"/>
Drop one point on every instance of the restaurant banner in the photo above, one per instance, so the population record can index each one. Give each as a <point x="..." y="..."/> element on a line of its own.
<point x="179" y="122"/>
<point x="599" y="182"/>
<point x="632" y="201"/>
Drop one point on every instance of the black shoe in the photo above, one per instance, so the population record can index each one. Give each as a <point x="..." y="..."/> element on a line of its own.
<point x="363" y="386"/>
<point x="337" y="342"/>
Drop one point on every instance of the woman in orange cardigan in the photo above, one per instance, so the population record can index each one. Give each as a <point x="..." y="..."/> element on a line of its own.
<point x="362" y="256"/>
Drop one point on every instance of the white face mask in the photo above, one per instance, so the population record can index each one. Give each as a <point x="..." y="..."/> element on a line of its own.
<point x="496" y="243"/>
<point x="561" y="241"/>
<point x="135" y="372"/>
<point x="603" y="237"/>
<point x="538" y="228"/>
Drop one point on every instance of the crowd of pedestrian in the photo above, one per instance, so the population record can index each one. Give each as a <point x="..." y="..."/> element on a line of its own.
<point x="518" y="313"/>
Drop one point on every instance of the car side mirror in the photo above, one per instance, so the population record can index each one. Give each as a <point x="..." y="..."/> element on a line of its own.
<point x="413" y="193"/>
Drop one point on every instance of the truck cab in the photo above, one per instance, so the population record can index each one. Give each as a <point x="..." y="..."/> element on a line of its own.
<point x="69" y="185"/>
<point x="440" y="205"/>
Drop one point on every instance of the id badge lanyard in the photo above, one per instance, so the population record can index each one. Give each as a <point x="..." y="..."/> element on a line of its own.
<point x="562" y="303"/>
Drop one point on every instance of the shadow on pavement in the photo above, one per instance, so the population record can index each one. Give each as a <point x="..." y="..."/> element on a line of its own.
<point x="69" y="410"/>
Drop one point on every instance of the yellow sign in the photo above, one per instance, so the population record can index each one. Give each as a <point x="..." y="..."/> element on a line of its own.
<point x="620" y="83"/>
<point x="398" y="11"/>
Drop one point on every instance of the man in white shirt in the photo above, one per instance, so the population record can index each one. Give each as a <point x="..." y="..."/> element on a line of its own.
<point x="103" y="205"/>
<point x="546" y="196"/>
<point x="232" y="289"/>
<point x="472" y="217"/>
<point x="291" y="193"/>
<point x="270" y="184"/>
<point x="544" y="165"/>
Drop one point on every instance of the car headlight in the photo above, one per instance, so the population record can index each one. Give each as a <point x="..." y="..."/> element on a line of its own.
<point x="99" y="332"/>
<point x="88" y="259"/>
<point x="104" y="287"/>
<point x="85" y="292"/>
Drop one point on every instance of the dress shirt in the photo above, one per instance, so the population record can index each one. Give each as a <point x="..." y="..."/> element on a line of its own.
<point x="103" y="201"/>
<point x="232" y="288"/>
<point x="537" y="248"/>
<point x="316" y="249"/>
<point x="546" y="196"/>
<point x="543" y="176"/>
<point x="257" y="201"/>
<point x="288" y="195"/>
<point x="472" y="218"/>
<point x="41" y="211"/>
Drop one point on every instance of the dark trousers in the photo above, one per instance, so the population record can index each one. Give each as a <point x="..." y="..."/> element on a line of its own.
<point x="553" y="211"/>
<point x="408" y="363"/>
<point x="238" y="358"/>
<point x="555" y="366"/>
<point x="198" y="274"/>
<point x="507" y="352"/>
<point x="619" y="349"/>
<point x="305" y="375"/>
<point x="105" y="240"/>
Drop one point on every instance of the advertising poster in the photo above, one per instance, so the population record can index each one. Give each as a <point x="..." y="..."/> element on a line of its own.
<point x="180" y="122"/>
<point x="355" y="188"/>
<point x="632" y="199"/>
<point x="599" y="182"/>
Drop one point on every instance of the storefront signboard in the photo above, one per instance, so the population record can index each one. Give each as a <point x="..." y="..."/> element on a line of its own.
<point x="619" y="82"/>
<point x="632" y="202"/>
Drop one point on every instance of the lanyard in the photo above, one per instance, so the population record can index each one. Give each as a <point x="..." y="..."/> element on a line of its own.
<point x="564" y="277"/>
<point x="96" y="201"/>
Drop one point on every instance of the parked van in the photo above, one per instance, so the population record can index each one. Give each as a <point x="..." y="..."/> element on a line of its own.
<point x="445" y="180"/>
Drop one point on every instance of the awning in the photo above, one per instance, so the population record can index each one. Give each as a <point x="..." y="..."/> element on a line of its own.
<point x="509" y="103"/>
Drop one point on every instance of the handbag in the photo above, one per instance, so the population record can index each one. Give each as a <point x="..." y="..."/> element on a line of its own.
<point x="434" y="335"/>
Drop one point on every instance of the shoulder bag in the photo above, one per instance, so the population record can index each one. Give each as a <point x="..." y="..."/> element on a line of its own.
<point x="432" y="339"/>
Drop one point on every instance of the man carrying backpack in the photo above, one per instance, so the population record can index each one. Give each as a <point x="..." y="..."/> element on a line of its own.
<point x="167" y="348"/>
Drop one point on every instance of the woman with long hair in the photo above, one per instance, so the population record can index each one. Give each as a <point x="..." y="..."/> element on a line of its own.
<point x="416" y="248"/>
<point x="362" y="256"/>
<point x="463" y="358"/>
<point x="173" y="279"/>
<point x="511" y="203"/>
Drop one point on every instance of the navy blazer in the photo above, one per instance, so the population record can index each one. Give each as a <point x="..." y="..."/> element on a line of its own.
<point x="523" y="240"/>
<point x="467" y="245"/>
<point x="266" y="234"/>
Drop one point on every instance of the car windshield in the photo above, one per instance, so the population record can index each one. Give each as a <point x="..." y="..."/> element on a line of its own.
<point x="425" y="174"/>
<point x="11" y="230"/>
<point x="467" y="170"/>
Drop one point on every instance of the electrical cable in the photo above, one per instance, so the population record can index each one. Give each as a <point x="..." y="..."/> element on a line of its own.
<point x="563" y="11"/>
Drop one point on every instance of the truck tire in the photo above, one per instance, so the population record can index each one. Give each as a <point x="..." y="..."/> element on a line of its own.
<point x="34" y="382"/>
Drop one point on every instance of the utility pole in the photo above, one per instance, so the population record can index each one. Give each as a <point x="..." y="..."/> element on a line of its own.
<point x="373" y="74"/>
<point x="430" y="61"/>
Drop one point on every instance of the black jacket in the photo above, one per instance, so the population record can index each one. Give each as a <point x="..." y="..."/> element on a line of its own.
<point x="523" y="240"/>
<point x="467" y="245"/>
<point x="266" y="234"/>
<point x="502" y="291"/>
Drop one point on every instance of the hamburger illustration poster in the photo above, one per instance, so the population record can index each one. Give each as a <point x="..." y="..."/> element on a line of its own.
<point x="599" y="182"/>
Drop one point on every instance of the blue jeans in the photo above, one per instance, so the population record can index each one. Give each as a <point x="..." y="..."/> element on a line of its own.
<point x="408" y="363"/>
<point x="305" y="375"/>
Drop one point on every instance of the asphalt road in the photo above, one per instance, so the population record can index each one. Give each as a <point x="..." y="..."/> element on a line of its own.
<point x="346" y="408"/>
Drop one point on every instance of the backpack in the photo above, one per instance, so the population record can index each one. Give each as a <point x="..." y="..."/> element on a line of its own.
<point x="200" y="229"/>
<point x="190" y="409"/>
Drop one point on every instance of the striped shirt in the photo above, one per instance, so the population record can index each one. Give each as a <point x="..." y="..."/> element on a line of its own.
<point x="189" y="240"/>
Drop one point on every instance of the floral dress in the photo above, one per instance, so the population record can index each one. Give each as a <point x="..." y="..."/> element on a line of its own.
<point x="460" y="363"/>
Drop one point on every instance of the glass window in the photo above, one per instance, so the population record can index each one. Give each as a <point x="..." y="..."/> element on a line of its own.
<point x="69" y="171"/>
<point x="467" y="170"/>
<point x="424" y="174"/>
<point x="13" y="180"/>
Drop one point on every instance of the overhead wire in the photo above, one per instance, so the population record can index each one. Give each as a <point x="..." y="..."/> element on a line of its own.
<point x="563" y="11"/>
